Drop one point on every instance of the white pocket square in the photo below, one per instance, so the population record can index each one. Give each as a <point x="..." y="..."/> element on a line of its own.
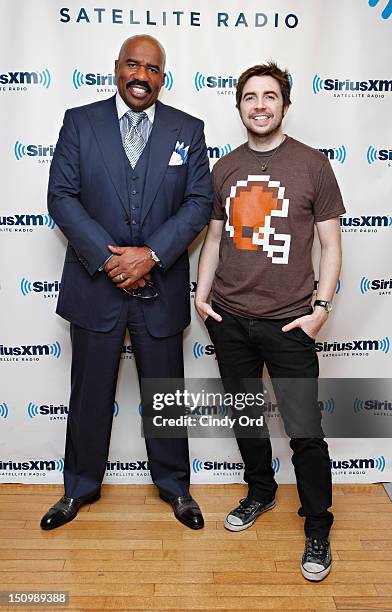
<point x="179" y="155"/>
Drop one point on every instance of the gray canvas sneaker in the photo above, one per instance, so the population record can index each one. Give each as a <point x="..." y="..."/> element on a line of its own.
<point x="317" y="559"/>
<point x="246" y="513"/>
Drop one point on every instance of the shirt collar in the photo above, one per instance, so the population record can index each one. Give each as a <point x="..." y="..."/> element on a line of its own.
<point x="122" y="108"/>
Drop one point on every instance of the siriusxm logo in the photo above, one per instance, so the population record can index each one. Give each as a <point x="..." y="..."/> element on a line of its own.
<point x="49" y="410"/>
<point x="128" y="466"/>
<point x="373" y="155"/>
<point x="54" y="412"/>
<point x="360" y="347"/>
<point x="96" y="79"/>
<point x="222" y="85"/>
<point x="201" y="350"/>
<point x="3" y="411"/>
<point x="225" y="466"/>
<point x="387" y="10"/>
<point x="41" y="152"/>
<point x="39" y="77"/>
<point x="337" y="153"/>
<point x="92" y="78"/>
<point x="336" y="85"/>
<point x="382" y="285"/>
<point x="44" y="287"/>
<point x="359" y="464"/>
<point x="25" y="222"/>
<point x="217" y="152"/>
<point x="32" y="465"/>
<point x="377" y="407"/>
<point x="365" y="223"/>
<point x="12" y="353"/>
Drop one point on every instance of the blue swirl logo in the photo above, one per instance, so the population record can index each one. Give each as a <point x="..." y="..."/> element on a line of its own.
<point x="55" y="349"/>
<point x="384" y="344"/>
<point x="365" y="285"/>
<point x="387" y="10"/>
<point x="3" y="411"/>
<point x="168" y="82"/>
<point x="59" y="463"/>
<point x="328" y="405"/>
<point x="199" y="81"/>
<point x="197" y="466"/>
<point x="19" y="150"/>
<point x="318" y="84"/>
<point x="371" y="155"/>
<point x="198" y="350"/>
<point x="25" y="286"/>
<point x="32" y="410"/>
<point x="77" y="79"/>
<point x="44" y="78"/>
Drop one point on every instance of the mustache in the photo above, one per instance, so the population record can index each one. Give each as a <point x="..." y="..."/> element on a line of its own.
<point x="136" y="82"/>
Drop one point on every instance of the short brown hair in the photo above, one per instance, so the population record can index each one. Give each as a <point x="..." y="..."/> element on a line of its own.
<point x="269" y="69"/>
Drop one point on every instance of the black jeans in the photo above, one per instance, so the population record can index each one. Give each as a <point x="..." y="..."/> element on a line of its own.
<point x="242" y="347"/>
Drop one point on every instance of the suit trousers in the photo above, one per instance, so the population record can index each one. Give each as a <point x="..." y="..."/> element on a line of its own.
<point x="95" y="363"/>
<point x="242" y="348"/>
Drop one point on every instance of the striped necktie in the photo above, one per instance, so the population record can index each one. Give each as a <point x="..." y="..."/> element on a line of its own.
<point x="134" y="142"/>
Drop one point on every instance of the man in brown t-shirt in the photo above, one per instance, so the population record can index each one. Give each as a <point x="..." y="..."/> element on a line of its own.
<point x="256" y="263"/>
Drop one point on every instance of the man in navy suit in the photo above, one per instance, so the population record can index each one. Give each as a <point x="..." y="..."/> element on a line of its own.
<point x="130" y="189"/>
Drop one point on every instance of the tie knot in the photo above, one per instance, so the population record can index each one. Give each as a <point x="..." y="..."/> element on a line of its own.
<point x="135" y="118"/>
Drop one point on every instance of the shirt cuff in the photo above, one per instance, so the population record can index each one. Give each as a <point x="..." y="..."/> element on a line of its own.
<point x="104" y="263"/>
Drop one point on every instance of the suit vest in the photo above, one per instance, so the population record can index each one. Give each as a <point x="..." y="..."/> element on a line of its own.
<point x="136" y="179"/>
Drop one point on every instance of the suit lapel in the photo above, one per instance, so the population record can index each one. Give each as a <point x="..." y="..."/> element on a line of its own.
<point x="104" y="121"/>
<point x="163" y="138"/>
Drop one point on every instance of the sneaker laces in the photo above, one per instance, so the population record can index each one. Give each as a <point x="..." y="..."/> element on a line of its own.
<point x="316" y="548"/>
<point x="246" y="506"/>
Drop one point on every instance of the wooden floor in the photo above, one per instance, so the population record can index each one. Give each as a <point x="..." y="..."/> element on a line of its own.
<point x="127" y="552"/>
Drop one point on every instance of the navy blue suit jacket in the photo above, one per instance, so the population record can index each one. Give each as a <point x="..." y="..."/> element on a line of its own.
<point x="88" y="199"/>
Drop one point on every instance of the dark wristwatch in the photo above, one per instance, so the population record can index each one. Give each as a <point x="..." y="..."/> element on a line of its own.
<point x="324" y="304"/>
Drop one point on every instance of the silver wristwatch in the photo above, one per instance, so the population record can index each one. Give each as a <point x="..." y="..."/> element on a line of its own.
<point x="154" y="256"/>
<point x="324" y="304"/>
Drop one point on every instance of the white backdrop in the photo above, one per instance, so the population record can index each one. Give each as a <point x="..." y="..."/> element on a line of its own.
<point x="57" y="55"/>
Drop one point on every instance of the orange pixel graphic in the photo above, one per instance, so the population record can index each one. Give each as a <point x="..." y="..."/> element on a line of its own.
<point x="249" y="208"/>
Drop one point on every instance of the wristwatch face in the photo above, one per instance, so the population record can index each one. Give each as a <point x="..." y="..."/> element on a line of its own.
<point x="324" y="304"/>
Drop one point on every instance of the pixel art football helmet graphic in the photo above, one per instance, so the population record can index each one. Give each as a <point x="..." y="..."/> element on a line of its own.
<point x="250" y="208"/>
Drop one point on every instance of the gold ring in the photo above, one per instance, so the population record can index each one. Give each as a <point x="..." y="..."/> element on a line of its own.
<point x="122" y="277"/>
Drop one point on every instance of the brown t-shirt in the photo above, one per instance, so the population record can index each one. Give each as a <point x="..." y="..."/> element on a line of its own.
<point x="265" y="267"/>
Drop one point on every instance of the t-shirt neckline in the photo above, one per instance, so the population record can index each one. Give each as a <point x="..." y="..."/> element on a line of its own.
<point x="266" y="153"/>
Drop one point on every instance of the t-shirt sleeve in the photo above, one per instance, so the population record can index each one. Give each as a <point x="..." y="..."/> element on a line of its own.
<point x="328" y="202"/>
<point x="217" y="207"/>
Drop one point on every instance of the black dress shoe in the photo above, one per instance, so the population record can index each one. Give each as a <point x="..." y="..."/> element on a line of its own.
<point x="64" y="511"/>
<point x="186" y="510"/>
